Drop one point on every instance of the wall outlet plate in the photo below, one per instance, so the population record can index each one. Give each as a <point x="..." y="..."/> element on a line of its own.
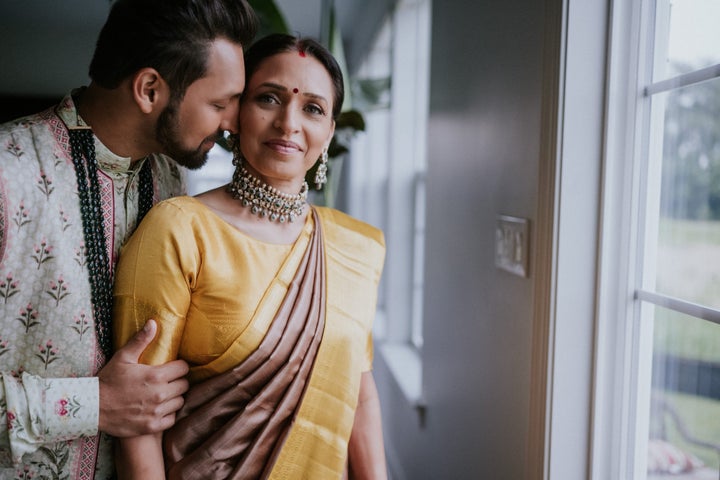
<point x="512" y="244"/>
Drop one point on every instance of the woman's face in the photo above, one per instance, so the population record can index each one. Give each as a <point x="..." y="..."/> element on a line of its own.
<point x="286" y="118"/>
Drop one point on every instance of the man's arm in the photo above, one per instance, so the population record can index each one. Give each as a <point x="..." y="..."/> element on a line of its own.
<point x="126" y="399"/>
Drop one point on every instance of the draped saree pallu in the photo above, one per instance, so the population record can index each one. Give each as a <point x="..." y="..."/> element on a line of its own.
<point x="234" y="425"/>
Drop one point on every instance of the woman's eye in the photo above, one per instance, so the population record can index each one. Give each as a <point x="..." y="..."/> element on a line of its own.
<point x="267" y="98"/>
<point x="314" y="109"/>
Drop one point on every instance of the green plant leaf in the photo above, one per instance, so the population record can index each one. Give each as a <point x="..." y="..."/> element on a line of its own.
<point x="335" y="149"/>
<point x="271" y="19"/>
<point x="371" y="93"/>
<point x="350" y="119"/>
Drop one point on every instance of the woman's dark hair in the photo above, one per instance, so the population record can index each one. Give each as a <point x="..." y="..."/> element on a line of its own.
<point x="171" y="36"/>
<point x="276" y="43"/>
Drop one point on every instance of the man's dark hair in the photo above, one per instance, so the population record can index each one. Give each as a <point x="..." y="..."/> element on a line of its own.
<point x="276" y="43"/>
<point x="171" y="36"/>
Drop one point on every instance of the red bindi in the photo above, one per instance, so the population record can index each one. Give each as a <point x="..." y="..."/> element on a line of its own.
<point x="295" y="90"/>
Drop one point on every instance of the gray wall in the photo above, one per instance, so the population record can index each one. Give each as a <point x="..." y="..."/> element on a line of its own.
<point x="47" y="45"/>
<point x="483" y="155"/>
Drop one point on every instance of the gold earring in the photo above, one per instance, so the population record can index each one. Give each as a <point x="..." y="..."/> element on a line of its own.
<point x="321" y="172"/>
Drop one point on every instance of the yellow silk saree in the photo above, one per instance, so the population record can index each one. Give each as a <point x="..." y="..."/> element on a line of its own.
<point x="216" y="293"/>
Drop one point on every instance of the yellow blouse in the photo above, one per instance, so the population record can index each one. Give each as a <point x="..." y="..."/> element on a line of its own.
<point x="200" y="278"/>
<point x="214" y="290"/>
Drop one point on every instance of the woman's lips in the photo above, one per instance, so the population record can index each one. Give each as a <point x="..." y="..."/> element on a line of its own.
<point x="283" y="146"/>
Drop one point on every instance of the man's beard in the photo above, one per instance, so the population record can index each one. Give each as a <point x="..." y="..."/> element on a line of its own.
<point x="168" y="135"/>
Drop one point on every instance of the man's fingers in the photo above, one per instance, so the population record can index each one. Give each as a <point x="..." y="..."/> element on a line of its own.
<point x="171" y="407"/>
<point x="165" y="423"/>
<point x="138" y="343"/>
<point x="172" y="370"/>
<point x="177" y="388"/>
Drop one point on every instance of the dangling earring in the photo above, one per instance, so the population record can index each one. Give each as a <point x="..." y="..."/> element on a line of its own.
<point x="321" y="172"/>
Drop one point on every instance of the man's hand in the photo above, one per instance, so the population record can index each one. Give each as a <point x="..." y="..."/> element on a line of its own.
<point x="137" y="399"/>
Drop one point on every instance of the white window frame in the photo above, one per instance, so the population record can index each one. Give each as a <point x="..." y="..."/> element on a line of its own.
<point x="626" y="298"/>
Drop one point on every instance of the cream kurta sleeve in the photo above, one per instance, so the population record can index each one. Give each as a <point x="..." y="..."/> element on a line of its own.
<point x="38" y="411"/>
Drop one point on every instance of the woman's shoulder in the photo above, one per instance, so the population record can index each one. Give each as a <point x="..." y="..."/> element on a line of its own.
<point x="181" y="203"/>
<point x="174" y="211"/>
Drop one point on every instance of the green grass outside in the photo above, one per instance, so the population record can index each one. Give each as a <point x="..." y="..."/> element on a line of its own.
<point x="702" y="418"/>
<point x="689" y="232"/>
<point x="687" y="337"/>
<point x="690" y="256"/>
<point x="688" y="261"/>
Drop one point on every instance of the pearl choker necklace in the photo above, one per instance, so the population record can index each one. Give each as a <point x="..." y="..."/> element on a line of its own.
<point x="264" y="200"/>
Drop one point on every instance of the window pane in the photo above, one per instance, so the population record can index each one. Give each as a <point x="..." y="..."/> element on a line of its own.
<point x="688" y="243"/>
<point x="693" y="35"/>
<point x="685" y="409"/>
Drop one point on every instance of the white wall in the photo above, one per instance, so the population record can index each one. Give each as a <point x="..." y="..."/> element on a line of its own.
<point x="483" y="157"/>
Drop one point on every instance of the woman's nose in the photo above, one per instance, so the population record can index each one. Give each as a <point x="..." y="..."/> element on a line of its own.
<point x="288" y="120"/>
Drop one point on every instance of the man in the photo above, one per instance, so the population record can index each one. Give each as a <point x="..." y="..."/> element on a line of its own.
<point x="75" y="180"/>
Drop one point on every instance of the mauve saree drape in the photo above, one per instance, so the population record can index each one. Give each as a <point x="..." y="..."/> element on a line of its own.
<point x="233" y="424"/>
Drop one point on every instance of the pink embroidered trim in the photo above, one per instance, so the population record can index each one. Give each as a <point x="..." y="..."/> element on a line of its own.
<point x="88" y="457"/>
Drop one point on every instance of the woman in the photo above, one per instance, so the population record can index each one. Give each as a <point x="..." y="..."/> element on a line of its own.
<point x="270" y="300"/>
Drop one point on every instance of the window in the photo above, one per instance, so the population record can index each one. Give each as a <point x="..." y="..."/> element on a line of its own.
<point x="387" y="177"/>
<point x="669" y="415"/>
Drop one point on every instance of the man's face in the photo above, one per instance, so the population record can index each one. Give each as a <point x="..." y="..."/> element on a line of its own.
<point x="188" y="128"/>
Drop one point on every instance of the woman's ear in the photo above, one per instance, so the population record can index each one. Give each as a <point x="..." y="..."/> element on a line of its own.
<point x="332" y="132"/>
<point x="150" y="90"/>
